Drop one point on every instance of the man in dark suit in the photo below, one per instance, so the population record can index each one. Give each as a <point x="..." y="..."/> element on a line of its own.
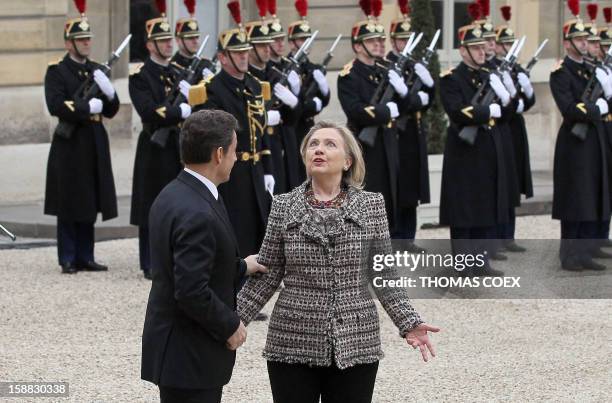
<point x="191" y="328"/>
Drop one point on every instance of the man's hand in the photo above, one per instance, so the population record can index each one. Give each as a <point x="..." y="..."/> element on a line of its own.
<point x="238" y="338"/>
<point x="319" y="77"/>
<point x="418" y="337"/>
<point x="104" y="84"/>
<point x="207" y="73"/>
<point x="253" y="267"/>
<point x="285" y="95"/>
<point x="95" y="106"/>
<point x="294" y="82"/>
<point x="269" y="183"/>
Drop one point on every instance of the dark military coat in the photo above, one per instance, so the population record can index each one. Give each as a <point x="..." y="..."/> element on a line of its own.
<point x="79" y="173"/>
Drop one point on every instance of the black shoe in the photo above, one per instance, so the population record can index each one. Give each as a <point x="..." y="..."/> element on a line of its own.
<point x="147" y="274"/>
<point x="68" y="268"/>
<point x="600" y="254"/>
<point x="412" y="248"/>
<point x="261" y="317"/>
<point x="589" y="264"/>
<point x="571" y="265"/>
<point x="513" y="247"/>
<point x="92" y="266"/>
<point x="497" y="256"/>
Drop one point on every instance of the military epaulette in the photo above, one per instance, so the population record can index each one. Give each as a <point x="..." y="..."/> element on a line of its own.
<point x="135" y="68"/>
<point x="447" y="72"/>
<point x="197" y="94"/>
<point x="346" y="69"/>
<point x="485" y="69"/>
<point x="266" y="91"/>
<point x="55" y="63"/>
<point x="558" y="65"/>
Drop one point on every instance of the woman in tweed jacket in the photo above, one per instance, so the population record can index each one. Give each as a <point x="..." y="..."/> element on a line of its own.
<point x="323" y="339"/>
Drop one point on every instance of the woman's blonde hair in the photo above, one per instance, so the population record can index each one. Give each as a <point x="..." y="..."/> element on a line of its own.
<point x="355" y="175"/>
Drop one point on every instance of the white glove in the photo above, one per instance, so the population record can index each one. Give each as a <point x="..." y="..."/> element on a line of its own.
<point x="521" y="106"/>
<point x="273" y="118"/>
<point x="95" y="106"/>
<point x="602" y="104"/>
<point x="318" y="104"/>
<point x="494" y="111"/>
<point x="424" y="98"/>
<point x="206" y="73"/>
<point x="105" y="85"/>
<point x="294" y="82"/>
<point x="424" y="75"/>
<point x="185" y="110"/>
<point x="398" y="83"/>
<point x="285" y="95"/>
<point x="509" y="84"/>
<point x="499" y="89"/>
<point x="269" y="183"/>
<point x="525" y="84"/>
<point x="393" y="109"/>
<point x="605" y="80"/>
<point x="319" y="77"/>
<point x="184" y="86"/>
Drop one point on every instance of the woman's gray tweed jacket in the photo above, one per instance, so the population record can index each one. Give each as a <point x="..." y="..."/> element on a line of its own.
<point x="325" y="307"/>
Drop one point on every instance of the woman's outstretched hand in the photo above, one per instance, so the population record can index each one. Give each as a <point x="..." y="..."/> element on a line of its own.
<point x="418" y="337"/>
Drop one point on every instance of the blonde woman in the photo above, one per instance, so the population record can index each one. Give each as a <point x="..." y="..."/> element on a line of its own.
<point x="323" y="338"/>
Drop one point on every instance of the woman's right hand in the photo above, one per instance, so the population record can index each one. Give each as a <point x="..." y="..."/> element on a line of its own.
<point x="418" y="337"/>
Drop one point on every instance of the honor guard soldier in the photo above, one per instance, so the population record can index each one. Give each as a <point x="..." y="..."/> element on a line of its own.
<point x="282" y="109"/>
<point x="473" y="200"/>
<point x="481" y="13"/>
<point x="247" y="194"/>
<point x="581" y="194"/>
<point x="314" y="94"/>
<point x="157" y="159"/>
<point x="187" y="33"/>
<point x="505" y="37"/>
<point x="413" y="177"/>
<point x="594" y="59"/>
<point x="357" y="83"/>
<point x="605" y="35"/>
<point x="79" y="176"/>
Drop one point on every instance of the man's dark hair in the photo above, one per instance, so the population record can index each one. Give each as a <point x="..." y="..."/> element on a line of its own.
<point x="203" y="132"/>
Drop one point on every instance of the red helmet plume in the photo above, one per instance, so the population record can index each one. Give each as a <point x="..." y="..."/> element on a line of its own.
<point x="506" y="12"/>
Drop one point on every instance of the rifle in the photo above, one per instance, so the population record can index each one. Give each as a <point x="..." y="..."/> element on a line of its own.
<point x="468" y="133"/>
<point x="89" y="89"/>
<point x="367" y="135"/>
<point x="312" y="87"/>
<point x="175" y="98"/>
<point x="8" y="233"/>
<point x="591" y="93"/>
<point x="535" y="59"/>
<point x="294" y="63"/>
<point x="417" y="83"/>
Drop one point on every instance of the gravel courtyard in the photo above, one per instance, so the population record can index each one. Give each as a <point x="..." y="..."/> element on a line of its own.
<point x="86" y="329"/>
